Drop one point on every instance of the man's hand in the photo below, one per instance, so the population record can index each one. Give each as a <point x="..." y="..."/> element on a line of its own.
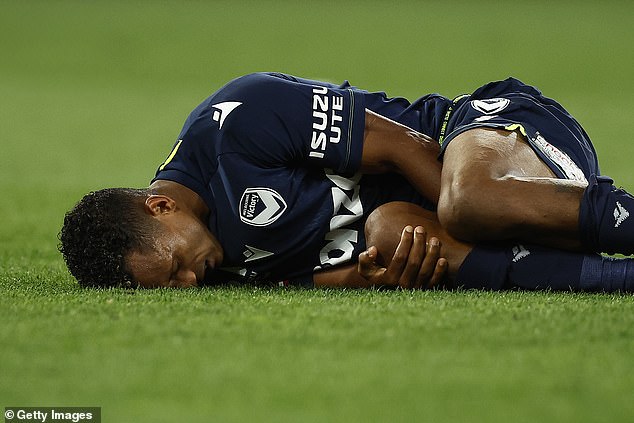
<point x="416" y="263"/>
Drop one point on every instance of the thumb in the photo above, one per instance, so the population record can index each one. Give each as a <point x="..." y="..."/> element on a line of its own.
<point x="367" y="267"/>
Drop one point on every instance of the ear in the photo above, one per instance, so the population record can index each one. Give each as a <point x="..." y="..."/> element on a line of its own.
<point x="157" y="205"/>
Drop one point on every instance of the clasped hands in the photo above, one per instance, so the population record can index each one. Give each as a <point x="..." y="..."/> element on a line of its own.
<point x="416" y="263"/>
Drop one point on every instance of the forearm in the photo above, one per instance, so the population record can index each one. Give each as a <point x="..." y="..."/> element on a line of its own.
<point x="345" y="276"/>
<point x="391" y="147"/>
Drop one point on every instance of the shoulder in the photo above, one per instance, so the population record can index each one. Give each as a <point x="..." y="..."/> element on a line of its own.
<point x="258" y="83"/>
<point x="239" y="101"/>
<point x="254" y="96"/>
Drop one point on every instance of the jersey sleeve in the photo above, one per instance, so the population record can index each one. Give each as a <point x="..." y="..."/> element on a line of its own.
<point x="286" y="121"/>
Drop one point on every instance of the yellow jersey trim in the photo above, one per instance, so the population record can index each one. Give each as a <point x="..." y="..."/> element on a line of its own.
<point x="515" y="127"/>
<point x="172" y="154"/>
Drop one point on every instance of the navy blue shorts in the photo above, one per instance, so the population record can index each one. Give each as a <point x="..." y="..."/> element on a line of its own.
<point x="555" y="136"/>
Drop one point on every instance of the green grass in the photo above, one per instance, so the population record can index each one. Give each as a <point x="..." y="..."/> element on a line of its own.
<point x="245" y="354"/>
<point x="92" y="94"/>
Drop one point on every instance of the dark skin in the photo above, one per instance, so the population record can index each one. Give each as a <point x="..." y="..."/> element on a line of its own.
<point x="499" y="163"/>
<point x="524" y="200"/>
<point x="406" y="251"/>
<point x="410" y="259"/>
<point x="416" y="262"/>
<point x="186" y="249"/>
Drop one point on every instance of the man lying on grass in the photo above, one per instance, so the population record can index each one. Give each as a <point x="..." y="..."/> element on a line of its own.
<point x="273" y="177"/>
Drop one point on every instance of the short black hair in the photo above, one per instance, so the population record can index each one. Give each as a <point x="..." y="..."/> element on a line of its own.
<point x="100" y="231"/>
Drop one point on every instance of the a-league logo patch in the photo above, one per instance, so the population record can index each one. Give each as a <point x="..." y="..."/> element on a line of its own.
<point x="261" y="206"/>
<point x="490" y="106"/>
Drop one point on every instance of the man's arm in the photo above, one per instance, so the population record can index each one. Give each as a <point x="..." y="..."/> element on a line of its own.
<point x="345" y="276"/>
<point x="391" y="147"/>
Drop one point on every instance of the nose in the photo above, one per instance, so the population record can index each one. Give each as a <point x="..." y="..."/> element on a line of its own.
<point x="186" y="279"/>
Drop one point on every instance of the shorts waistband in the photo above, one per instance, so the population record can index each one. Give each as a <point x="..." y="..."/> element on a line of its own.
<point x="448" y="113"/>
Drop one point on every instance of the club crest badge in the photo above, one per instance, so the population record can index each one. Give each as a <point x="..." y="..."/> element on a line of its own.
<point x="490" y="106"/>
<point x="261" y="206"/>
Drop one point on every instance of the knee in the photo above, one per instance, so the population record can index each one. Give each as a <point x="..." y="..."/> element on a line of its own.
<point x="460" y="209"/>
<point x="385" y="222"/>
<point x="372" y="225"/>
<point x="382" y="230"/>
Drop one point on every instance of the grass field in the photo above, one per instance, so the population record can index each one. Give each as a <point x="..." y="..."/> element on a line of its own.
<point x="92" y="94"/>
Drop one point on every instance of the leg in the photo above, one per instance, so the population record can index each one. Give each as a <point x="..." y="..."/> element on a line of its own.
<point x="503" y="266"/>
<point x="385" y="225"/>
<point x="494" y="187"/>
<point x="533" y="267"/>
<point x="604" y="218"/>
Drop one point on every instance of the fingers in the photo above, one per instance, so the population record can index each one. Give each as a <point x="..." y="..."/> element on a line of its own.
<point x="403" y="268"/>
<point x="367" y="261"/>
<point x="368" y="268"/>
<point x="416" y="263"/>
<point x="409" y="277"/>
<point x="429" y="264"/>
<point x="439" y="273"/>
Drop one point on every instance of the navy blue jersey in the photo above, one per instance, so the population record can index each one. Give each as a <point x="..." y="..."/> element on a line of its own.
<point x="276" y="160"/>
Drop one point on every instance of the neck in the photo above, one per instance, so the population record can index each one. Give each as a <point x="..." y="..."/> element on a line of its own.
<point x="184" y="197"/>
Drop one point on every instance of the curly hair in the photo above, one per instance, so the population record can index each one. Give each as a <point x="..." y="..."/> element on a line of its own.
<point x="99" y="232"/>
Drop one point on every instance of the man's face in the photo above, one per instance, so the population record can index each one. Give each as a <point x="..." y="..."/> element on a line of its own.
<point x="183" y="252"/>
